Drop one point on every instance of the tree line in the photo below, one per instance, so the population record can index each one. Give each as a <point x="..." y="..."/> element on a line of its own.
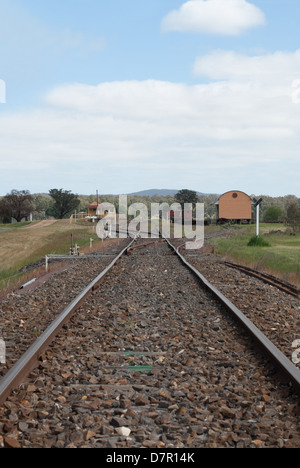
<point x="19" y="205"/>
<point x="60" y="204"/>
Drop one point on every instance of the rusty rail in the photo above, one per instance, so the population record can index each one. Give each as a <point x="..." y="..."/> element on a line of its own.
<point x="15" y="376"/>
<point x="29" y="361"/>
<point x="267" y="278"/>
<point x="280" y="361"/>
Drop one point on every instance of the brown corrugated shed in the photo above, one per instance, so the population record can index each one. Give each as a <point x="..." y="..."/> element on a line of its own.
<point x="235" y="206"/>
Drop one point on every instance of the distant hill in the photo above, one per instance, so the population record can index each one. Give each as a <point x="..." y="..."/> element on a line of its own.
<point x="160" y="193"/>
<point x="152" y="192"/>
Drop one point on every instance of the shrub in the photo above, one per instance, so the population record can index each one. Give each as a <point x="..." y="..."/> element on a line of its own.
<point x="273" y="214"/>
<point x="258" y="241"/>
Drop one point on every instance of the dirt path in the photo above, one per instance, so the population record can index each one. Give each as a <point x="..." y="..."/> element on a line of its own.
<point x="45" y="223"/>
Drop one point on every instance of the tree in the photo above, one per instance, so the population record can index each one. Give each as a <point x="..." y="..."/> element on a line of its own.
<point x="186" y="196"/>
<point x="17" y="205"/>
<point x="293" y="216"/>
<point x="64" y="202"/>
<point x="42" y="204"/>
<point x="273" y="214"/>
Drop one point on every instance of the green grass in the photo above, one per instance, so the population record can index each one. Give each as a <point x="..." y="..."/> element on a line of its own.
<point x="14" y="226"/>
<point x="281" y="258"/>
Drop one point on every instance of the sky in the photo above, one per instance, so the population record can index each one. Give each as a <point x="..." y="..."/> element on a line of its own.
<point x="123" y="95"/>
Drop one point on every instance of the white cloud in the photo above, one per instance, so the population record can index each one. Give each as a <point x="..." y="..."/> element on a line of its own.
<point x="134" y="120"/>
<point x="240" y="105"/>
<point x="276" y="68"/>
<point x="224" y="17"/>
<point x="157" y="126"/>
<point x="129" y="100"/>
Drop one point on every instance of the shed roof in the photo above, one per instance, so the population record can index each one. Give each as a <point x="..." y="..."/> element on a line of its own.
<point x="216" y="202"/>
<point x="93" y="205"/>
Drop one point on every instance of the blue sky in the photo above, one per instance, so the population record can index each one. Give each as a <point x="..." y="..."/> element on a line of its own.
<point x="125" y="95"/>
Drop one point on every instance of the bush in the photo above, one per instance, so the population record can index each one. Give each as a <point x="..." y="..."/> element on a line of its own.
<point x="258" y="241"/>
<point x="273" y="214"/>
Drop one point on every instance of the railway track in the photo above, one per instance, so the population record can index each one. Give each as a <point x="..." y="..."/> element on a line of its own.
<point x="279" y="359"/>
<point x="267" y="278"/>
<point x="147" y="359"/>
<point x="30" y="358"/>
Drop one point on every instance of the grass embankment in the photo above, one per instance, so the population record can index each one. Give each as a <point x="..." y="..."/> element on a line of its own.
<point x="281" y="258"/>
<point x="15" y="226"/>
<point x="27" y="243"/>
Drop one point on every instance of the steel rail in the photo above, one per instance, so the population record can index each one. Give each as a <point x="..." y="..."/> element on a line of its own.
<point x="30" y="359"/>
<point x="276" y="356"/>
<point x="267" y="278"/>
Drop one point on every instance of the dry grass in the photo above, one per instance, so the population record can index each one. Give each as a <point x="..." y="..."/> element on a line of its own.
<point x="7" y="285"/>
<point x="20" y="247"/>
<point x="23" y="246"/>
